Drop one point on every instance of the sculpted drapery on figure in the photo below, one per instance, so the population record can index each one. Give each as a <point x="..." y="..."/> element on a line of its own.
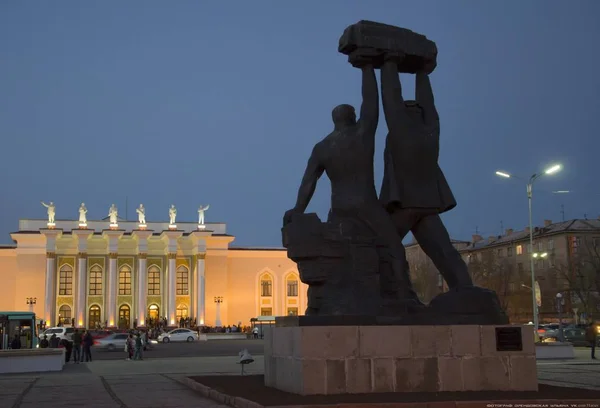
<point x="113" y="214"/>
<point x="201" y="211"/>
<point x="82" y="214"/>
<point x="141" y="211"/>
<point x="172" y="214"/>
<point x="51" y="211"/>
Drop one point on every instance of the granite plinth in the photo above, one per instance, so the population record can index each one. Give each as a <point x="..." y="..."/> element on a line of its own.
<point x="373" y="359"/>
<point x="429" y="317"/>
<point x="418" y="50"/>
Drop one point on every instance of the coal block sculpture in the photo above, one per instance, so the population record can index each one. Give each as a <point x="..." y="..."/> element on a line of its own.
<point x="355" y="263"/>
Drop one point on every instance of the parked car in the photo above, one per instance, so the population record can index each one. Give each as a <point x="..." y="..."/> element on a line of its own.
<point x="61" y="333"/>
<point x="178" y="335"/>
<point x="114" y="341"/>
<point x="99" y="334"/>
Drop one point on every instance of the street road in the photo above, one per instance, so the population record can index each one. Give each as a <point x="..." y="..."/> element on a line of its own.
<point x="211" y="348"/>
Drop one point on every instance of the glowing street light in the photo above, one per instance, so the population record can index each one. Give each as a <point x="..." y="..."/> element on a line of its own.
<point x="550" y="170"/>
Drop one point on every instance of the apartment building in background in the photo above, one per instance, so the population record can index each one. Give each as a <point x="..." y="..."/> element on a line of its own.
<point x="566" y="261"/>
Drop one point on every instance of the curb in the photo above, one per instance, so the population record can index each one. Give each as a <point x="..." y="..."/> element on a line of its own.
<point x="214" y="395"/>
<point x="238" y="402"/>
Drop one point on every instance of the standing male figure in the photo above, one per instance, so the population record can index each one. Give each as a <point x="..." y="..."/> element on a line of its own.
<point x="77" y="340"/>
<point x="347" y="155"/>
<point x="414" y="190"/>
<point x="591" y="335"/>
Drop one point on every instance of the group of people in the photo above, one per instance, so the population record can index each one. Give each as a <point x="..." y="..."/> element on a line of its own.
<point x="135" y="344"/>
<point x="80" y="348"/>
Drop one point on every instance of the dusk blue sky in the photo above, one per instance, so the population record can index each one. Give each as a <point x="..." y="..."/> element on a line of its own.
<point x="220" y="103"/>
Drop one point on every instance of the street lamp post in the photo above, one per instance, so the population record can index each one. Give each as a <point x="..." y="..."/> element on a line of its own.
<point x="31" y="302"/>
<point x="532" y="179"/>
<point x="559" y="308"/>
<point x="218" y="301"/>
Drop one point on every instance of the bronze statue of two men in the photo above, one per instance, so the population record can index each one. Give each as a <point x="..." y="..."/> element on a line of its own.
<point x="414" y="191"/>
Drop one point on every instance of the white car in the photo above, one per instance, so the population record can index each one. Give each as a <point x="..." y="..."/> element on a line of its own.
<point x="112" y="342"/>
<point x="178" y="335"/>
<point x="61" y="333"/>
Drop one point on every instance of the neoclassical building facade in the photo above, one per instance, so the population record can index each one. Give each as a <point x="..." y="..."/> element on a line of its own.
<point x="123" y="274"/>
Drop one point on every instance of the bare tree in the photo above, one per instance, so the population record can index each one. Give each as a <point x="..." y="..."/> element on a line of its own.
<point x="425" y="278"/>
<point x="581" y="274"/>
<point x="497" y="273"/>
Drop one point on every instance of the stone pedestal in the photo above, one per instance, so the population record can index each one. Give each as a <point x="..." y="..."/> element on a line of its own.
<point x="369" y="359"/>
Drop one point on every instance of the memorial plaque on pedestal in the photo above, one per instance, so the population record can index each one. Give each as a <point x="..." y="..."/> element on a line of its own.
<point x="418" y="50"/>
<point x="509" y="339"/>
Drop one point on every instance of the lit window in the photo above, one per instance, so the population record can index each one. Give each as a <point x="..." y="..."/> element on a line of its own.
<point x="292" y="288"/>
<point x="153" y="281"/>
<point x="266" y="288"/>
<point x="519" y="249"/>
<point x="182" y="281"/>
<point x="64" y="315"/>
<point x="95" y="285"/>
<point x="181" y="312"/>
<point x="125" y="281"/>
<point x="266" y="311"/>
<point x="94" y="317"/>
<point x="65" y="284"/>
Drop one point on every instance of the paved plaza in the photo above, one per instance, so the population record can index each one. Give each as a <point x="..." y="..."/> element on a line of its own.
<point x="153" y="383"/>
<point x="195" y="349"/>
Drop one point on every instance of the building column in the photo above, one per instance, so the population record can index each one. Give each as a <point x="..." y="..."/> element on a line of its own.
<point x="200" y="290"/>
<point x="80" y="303"/>
<point x="171" y="238"/>
<point x="141" y="298"/>
<point x="49" y="303"/>
<point x="171" y="308"/>
<point x="50" y="285"/>
<point x="111" y="301"/>
<point x="110" y="305"/>
<point x="142" y="273"/>
<point x="80" y="299"/>
<point x="199" y="293"/>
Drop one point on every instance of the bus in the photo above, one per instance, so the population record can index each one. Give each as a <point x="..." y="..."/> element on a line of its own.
<point x="18" y="324"/>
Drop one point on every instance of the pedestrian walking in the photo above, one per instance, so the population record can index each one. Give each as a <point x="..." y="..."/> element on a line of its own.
<point x="88" y="342"/>
<point x="77" y="340"/>
<point x="129" y="347"/>
<point x="591" y="335"/>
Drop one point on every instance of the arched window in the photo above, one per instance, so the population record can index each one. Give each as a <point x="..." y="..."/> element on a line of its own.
<point x="124" y="316"/>
<point x="153" y="312"/>
<point x="182" y="312"/>
<point x="153" y="280"/>
<point x="65" y="283"/>
<point x="292" y="286"/>
<point x="125" y="280"/>
<point x="266" y="286"/>
<point x="94" y="317"/>
<point x="182" y="284"/>
<point x="64" y="314"/>
<point x="95" y="285"/>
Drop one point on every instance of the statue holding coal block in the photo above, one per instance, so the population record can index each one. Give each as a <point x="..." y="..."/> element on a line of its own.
<point x="355" y="263"/>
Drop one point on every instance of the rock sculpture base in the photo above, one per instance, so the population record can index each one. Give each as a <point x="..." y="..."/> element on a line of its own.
<point x="372" y="359"/>
<point x="340" y="262"/>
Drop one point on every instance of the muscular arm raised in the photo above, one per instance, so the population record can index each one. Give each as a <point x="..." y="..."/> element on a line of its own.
<point x="391" y="90"/>
<point x="424" y="97"/>
<point x="369" y="110"/>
